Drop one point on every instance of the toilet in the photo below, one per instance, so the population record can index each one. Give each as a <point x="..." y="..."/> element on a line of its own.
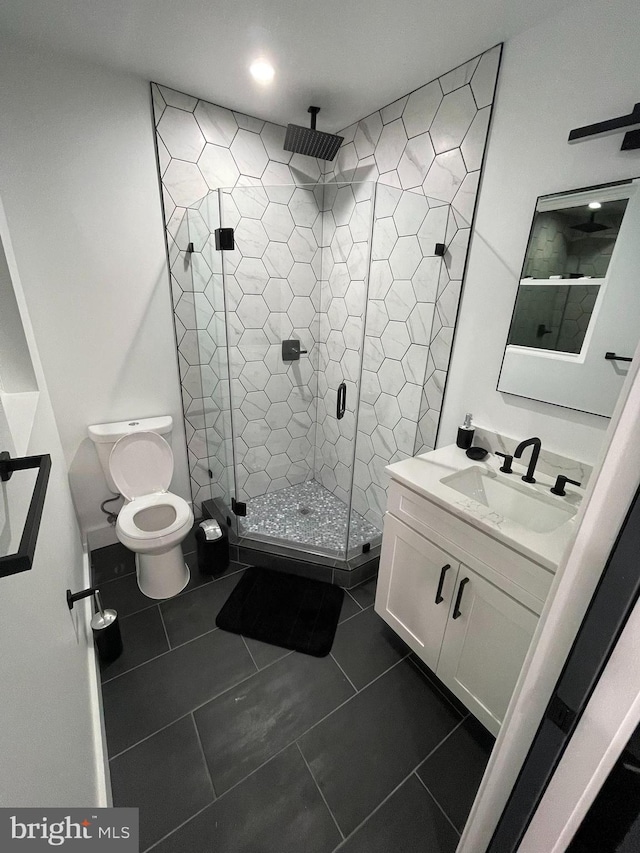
<point x="138" y="463"/>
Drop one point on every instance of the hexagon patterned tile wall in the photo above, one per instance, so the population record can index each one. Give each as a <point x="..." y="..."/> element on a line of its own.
<point x="347" y="268"/>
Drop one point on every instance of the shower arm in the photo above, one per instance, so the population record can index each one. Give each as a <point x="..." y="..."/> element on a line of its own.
<point x="314" y="114"/>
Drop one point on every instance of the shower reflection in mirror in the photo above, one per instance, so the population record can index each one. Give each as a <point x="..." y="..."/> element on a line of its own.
<point x="578" y="298"/>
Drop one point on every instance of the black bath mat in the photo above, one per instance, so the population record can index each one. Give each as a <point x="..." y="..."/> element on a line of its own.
<point x="284" y="610"/>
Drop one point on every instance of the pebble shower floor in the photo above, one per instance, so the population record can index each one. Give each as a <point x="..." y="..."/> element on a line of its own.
<point x="310" y="515"/>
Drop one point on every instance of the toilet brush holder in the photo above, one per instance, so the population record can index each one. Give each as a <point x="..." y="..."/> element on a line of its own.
<point x="104" y="624"/>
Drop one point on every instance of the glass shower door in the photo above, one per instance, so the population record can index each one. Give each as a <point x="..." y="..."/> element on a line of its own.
<point x="295" y="297"/>
<point x="202" y="347"/>
<point x="409" y="330"/>
<point x="347" y="226"/>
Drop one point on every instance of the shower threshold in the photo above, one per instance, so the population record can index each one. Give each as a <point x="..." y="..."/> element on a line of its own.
<point x="308" y="516"/>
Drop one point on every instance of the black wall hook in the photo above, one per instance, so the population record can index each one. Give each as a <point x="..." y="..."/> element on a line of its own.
<point x="72" y="597"/>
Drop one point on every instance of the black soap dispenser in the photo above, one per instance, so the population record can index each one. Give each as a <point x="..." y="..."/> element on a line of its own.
<point x="465" y="433"/>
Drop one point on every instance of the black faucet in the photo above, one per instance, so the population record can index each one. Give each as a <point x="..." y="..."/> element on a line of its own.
<point x="536" y="444"/>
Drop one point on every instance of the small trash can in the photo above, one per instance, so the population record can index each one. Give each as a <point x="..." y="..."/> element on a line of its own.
<point x="213" y="547"/>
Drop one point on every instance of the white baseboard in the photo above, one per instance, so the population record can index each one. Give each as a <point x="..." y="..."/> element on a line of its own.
<point x="103" y="777"/>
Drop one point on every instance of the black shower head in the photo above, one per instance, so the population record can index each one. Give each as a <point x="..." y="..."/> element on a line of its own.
<point x="312" y="142"/>
<point x="590" y="226"/>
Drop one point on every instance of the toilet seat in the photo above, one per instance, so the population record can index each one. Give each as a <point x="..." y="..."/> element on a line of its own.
<point x="126" y="516"/>
<point x="141" y="463"/>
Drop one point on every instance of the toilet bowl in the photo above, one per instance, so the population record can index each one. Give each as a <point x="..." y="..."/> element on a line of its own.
<point x="153" y="522"/>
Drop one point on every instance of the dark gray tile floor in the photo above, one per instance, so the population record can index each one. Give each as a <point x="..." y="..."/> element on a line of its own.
<point x="230" y="745"/>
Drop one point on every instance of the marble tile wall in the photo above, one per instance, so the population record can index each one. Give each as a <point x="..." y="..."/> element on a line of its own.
<point x="429" y="144"/>
<point x="272" y="280"/>
<point x="347" y="217"/>
<point x="197" y="288"/>
<point x="425" y="152"/>
<point x="405" y="272"/>
<point x="203" y="147"/>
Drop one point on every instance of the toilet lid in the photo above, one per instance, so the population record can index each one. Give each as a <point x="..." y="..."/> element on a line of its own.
<point x="141" y="463"/>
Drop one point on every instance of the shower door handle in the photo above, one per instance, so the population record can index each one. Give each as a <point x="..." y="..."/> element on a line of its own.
<point x="341" y="402"/>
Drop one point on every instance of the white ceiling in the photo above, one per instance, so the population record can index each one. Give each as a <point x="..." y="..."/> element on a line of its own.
<point x="350" y="57"/>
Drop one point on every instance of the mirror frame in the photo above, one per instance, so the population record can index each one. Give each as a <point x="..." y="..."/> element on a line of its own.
<point x="548" y="197"/>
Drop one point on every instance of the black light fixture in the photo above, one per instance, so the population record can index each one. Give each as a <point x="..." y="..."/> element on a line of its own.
<point x="629" y="123"/>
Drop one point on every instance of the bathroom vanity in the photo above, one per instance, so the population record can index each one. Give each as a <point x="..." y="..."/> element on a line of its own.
<point x="468" y="558"/>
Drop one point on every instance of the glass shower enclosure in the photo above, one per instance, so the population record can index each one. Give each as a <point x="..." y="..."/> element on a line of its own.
<point x="305" y="372"/>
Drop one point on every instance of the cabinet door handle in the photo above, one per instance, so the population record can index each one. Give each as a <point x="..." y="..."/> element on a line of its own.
<point x="456" y="610"/>
<point x="444" y="571"/>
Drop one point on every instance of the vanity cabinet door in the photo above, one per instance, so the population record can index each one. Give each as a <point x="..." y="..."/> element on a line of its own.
<point x="485" y="643"/>
<point x="415" y="585"/>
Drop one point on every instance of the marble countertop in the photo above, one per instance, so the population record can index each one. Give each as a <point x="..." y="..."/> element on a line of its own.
<point x="423" y="474"/>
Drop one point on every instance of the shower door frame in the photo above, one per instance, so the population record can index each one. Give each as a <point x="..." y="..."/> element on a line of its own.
<point x="355" y="555"/>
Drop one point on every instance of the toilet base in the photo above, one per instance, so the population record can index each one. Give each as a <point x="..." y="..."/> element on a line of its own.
<point x="162" y="575"/>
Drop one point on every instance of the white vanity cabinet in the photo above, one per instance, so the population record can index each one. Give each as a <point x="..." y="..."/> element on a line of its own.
<point x="465" y="603"/>
<point x="484" y="646"/>
<point x="415" y="585"/>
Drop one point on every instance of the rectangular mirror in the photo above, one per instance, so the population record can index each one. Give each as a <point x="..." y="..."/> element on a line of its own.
<point x="576" y="320"/>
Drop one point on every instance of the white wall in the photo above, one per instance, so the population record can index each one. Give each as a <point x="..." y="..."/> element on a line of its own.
<point x="50" y="738"/>
<point x="79" y="184"/>
<point x="581" y="67"/>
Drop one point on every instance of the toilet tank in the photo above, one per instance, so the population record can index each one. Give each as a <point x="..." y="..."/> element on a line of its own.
<point x="104" y="436"/>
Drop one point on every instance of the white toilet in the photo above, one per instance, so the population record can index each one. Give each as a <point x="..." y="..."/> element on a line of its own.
<point x="138" y="463"/>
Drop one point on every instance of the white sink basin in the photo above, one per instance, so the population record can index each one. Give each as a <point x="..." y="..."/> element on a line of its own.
<point x="511" y="499"/>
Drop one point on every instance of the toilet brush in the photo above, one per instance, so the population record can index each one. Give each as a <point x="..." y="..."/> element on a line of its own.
<point x="104" y="623"/>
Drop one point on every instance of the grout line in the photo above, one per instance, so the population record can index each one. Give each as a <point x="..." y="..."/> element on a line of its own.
<point x="204" y="757"/>
<point x="433" y="684"/>
<point x="324" y="799"/>
<point x="149" y="736"/>
<point x="342" y="704"/>
<point x="377" y="808"/>
<point x="161" y="655"/>
<point x="344" y="673"/>
<point x="438" y="745"/>
<point x="164" y="627"/>
<point x="353" y="599"/>
<point x="295" y="741"/>
<point x="179" y="826"/>
<point x="202" y="704"/>
<point x="353" y="616"/>
<point x="399" y="785"/>
<point x="377" y="676"/>
<point x="137" y="666"/>
<point x="301" y="735"/>
<point x="171" y="648"/>
<point x="224" y="793"/>
<point x="250" y="655"/>
<point x="232" y="687"/>
<point x="449" y="821"/>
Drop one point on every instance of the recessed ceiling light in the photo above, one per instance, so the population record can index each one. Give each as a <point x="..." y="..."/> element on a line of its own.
<point x="262" y="71"/>
<point x="594" y="205"/>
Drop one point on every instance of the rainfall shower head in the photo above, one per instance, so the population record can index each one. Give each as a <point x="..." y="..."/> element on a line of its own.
<point x="590" y="226"/>
<point x="312" y="142"/>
